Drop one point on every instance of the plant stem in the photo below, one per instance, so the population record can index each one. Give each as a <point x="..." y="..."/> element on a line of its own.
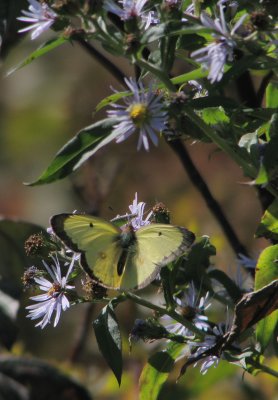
<point x="263" y="368"/>
<point x="163" y="311"/>
<point x="211" y="202"/>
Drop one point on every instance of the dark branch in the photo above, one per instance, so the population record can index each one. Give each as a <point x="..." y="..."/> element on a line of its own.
<point x="202" y="187"/>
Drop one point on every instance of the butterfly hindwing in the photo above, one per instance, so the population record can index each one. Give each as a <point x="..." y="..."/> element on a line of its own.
<point x="156" y="246"/>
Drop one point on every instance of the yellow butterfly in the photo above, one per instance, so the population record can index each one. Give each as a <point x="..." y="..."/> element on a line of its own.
<point x="121" y="259"/>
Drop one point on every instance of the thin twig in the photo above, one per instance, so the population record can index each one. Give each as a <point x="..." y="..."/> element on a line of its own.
<point x="211" y="202"/>
<point x="107" y="64"/>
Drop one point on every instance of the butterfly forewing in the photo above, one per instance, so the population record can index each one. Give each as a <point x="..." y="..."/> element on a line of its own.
<point x="156" y="246"/>
<point x="95" y="238"/>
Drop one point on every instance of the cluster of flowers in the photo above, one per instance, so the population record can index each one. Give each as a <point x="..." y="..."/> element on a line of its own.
<point x="58" y="289"/>
<point x="145" y="112"/>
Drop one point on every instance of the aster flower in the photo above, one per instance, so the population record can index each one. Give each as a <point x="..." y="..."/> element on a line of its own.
<point x="216" y="54"/>
<point x="130" y="9"/>
<point x="138" y="209"/>
<point x="191" y="307"/>
<point x="142" y="113"/>
<point x="210" y="340"/>
<point x="54" y="299"/>
<point x="40" y="16"/>
<point x="246" y="262"/>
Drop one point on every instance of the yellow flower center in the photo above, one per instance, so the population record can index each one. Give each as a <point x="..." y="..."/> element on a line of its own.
<point x="139" y="113"/>
<point x="54" y="289"/>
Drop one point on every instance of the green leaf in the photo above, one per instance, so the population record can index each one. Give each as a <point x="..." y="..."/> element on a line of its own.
<point x="269" y="224"/>
<point x="113" y="98"/>
<point x="109" y="339"/>
<point x="195" y="74"/>
<point x="267" y="271"/>
<point x="41" y="51"/>
<point x="269" y="165"/>
<point x="82" y="146"/>
<point x="272" y="95"/>
<point x="265" y="329"/>
<point x="169" y="29"/>
<point x="215" y="115"/>
<point x="267" y="267"/>
<point x="156" y="372"/>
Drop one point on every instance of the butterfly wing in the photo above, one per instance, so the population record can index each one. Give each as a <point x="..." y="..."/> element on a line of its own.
<point x="98" y="242"/>
<point x="102" y="250"/>
<point x="156" y="246"/>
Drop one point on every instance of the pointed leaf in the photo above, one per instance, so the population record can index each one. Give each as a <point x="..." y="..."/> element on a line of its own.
<point x="214" y="115"/>
<point x="41" y="51"/>
<point x="267" y="271"/>
<point x="267" y="267"/>
<point x="156" y="372"/>
<point x="109" y="339"/>
<point x="265" y="329"/>
<point x="269" y="223"/>
<point x="272" y="95"/>
<point x="74" y="153"/>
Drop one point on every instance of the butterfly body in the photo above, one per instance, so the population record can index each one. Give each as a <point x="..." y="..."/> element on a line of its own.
<point x="121" y="259"/>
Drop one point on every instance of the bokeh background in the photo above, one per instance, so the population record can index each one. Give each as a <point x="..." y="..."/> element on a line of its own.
<point x="41" y="107"/>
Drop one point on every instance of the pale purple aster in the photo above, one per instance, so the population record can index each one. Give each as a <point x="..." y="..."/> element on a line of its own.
<point x="190" y="304"/>
<point x="190" y="10"/>
<point x="138" y="209"/>
<point x="214" y="56"/>
<point x="54" y="300"/>
<point x="142" y="113"/>
<point x="246" y="262"/>
<point x="130" y="9"/>
<point x="210" y="340"/>
<point x="40" y="16"/>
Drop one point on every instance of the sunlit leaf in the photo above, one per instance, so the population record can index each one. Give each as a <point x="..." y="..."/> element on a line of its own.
<point x="271" y="99"/>
<point x="41" y="51"/>
<point x="267" y="267"/>
<point x="74" y="153"/>
<point x="156" y="372"/>
<point x="113" y="98"/>
<point x="214" y="115"/>
<point x="109" y="339"/>
<point x="195" y="74"/>
<point x="265" y="329"/>
<point x="269" y="224"/>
